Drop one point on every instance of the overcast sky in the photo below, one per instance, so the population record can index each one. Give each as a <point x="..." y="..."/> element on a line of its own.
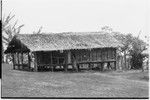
<point x="126" y="16"/>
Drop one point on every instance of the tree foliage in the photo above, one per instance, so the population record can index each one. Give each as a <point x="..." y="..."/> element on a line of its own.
<point x="39" y="31"/>
<point x="132" y="46"/>
<point x="8" y="31"/>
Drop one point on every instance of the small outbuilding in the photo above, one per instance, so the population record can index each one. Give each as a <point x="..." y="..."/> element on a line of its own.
<point x="48" y="51"/>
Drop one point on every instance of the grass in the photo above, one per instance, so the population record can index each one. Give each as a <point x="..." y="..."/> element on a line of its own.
<point x="17" y="83"/>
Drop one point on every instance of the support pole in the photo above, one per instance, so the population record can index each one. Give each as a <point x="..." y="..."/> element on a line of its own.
<point x="108" y="65"/>
<point x="22" y="60"/>
<point x="116" y="59"/>
<point x="35" y="62"/>
<point x="52" y="68"/>
<point x="18" y="60"/>
<point x="89" y="65"/>
<point x="13" y="61"/>
<point x="75" y="63"/>
<point x="102" y="66"/>
<point x="66" y="61"/>
<point x="51" y="62"/>
<point x="29" y="60"/>
<point x="115" y="64"/>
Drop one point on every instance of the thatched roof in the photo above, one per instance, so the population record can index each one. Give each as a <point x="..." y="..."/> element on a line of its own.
<point x="67" y="41"/>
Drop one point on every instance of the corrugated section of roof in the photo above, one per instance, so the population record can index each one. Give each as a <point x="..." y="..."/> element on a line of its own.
<point x="67" y="41"/>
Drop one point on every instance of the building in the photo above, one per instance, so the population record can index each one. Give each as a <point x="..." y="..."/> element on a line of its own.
<point x="39" y="51"/>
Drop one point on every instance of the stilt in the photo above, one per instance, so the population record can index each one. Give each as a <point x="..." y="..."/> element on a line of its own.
<point x="22" y="60"/>
<point x="78" y="67"/>
<point x="115" y="65"/>
<point x="29" y="60"/>
<point x="89" y="65"/>
<point x="18" y="60"/>
<point x="35" y="63"/>
<point x="52" y="68"/>
<point x="65" y="67"/>
<point x="108" y="65"/>
<point x="13" y="61"/>
<point x="102" y="66"/>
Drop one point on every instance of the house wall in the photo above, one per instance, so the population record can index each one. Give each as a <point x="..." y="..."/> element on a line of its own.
<point x="74" y="57"/>
<point x="50" y="58"/>
<point x="95" y="55"/>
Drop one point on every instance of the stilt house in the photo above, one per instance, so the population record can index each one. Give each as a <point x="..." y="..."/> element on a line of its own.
<point x="38" y="51"/>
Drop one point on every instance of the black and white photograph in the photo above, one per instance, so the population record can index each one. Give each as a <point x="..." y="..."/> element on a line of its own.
<point x="62" y="49"/>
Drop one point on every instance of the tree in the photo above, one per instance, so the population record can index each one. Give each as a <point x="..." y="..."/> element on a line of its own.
<point x="39" y="31"/>
<point x="126" y="40"/>
<point x="138" y="46"/>
<point x="107" y="29"/>
<point x="8" y="31"/>
<point x="133" y="47"/>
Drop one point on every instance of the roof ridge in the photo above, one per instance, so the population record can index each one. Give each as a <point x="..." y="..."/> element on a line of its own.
<point x="70" y="33"/>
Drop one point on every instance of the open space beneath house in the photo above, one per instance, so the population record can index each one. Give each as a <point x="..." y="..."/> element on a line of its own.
<point x="16" y="83"/>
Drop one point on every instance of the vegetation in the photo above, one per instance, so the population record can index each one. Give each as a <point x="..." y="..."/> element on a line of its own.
<point x="9" y="30"/>
<point x="132" y="46"/>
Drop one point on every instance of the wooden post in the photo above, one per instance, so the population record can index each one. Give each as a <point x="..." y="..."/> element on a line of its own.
<point x="89" y="65"/>
<point x="51" y="65"/>
<point x="67" y="60"/>
<point x="102" y="65"/>
<point x="52" y="68"/>
<point x="75" y="63"/>
<point x="115" y="65"/>
<point x="18" y="60"/>
<point x="35" y="62"/>
<point x="13" y="60"/>
<point x="65" y="66"/>
<point x="22" y="60"/>
<point x="29" y="60"/>
<point x="116" y="61"/>
<point x="108" y="65"/>
<point x="78" y="66"/>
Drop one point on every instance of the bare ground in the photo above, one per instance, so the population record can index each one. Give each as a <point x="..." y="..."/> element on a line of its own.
<point x="17" y="83"/>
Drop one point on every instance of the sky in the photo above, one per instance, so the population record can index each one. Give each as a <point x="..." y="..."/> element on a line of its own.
<point x="125" y="16"/>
